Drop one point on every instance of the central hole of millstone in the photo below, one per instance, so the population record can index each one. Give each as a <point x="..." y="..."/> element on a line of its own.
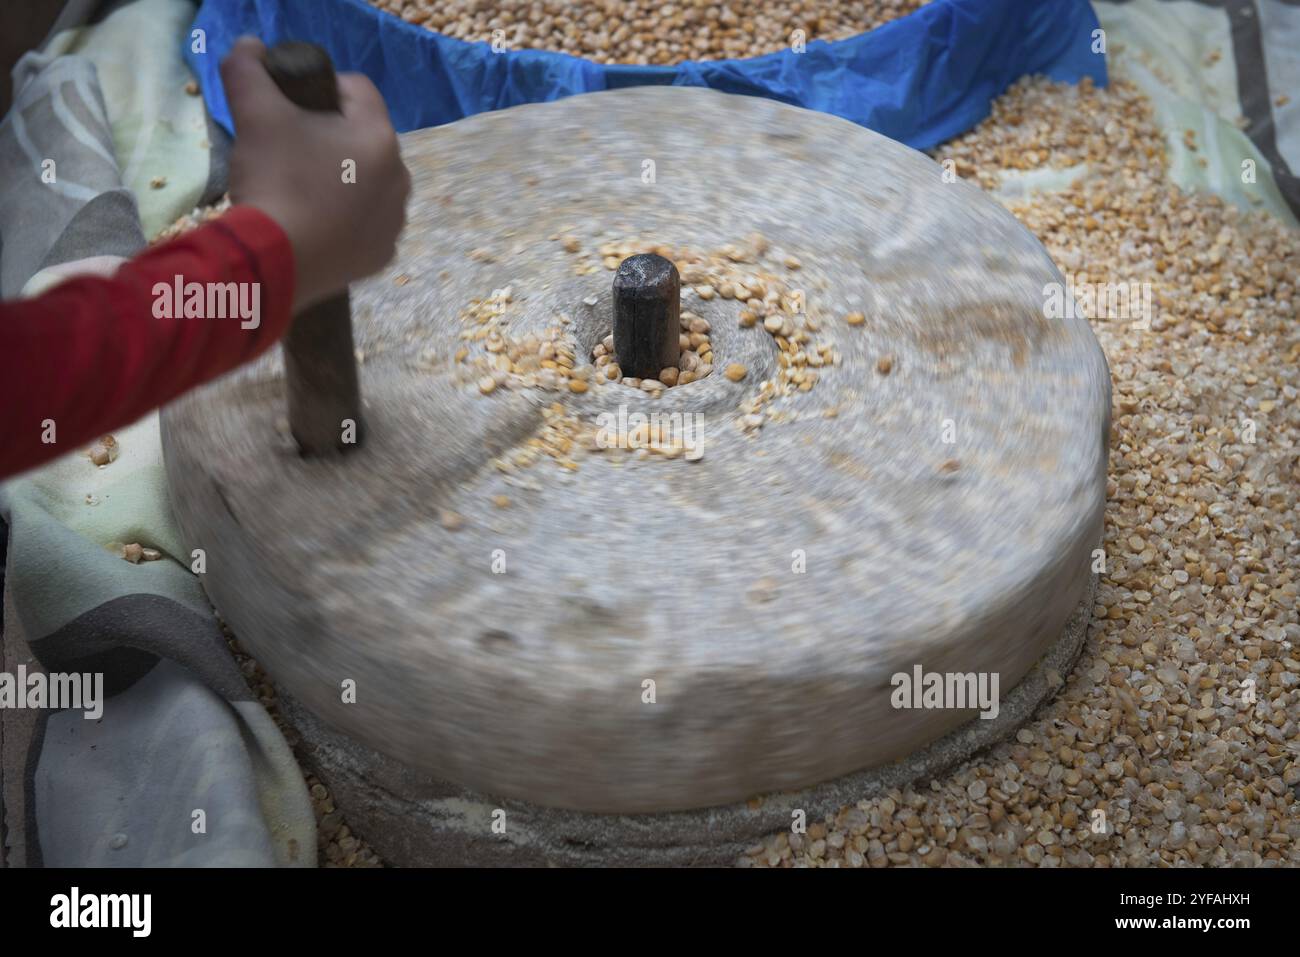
<point x="694" y="363"/>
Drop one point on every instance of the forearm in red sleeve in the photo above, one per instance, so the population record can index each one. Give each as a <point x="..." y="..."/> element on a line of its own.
<point x="94" y="354"/>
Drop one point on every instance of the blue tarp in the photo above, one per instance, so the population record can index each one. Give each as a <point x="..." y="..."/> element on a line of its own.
<point x="921" y="79"/>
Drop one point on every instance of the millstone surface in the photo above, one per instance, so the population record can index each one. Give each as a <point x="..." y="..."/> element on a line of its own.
<point x="966" y="555"/>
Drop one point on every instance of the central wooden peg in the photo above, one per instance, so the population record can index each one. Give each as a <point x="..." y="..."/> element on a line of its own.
<point x="647" y="314"/>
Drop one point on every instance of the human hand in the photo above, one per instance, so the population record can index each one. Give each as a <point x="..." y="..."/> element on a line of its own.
<point x="291" y="164"/>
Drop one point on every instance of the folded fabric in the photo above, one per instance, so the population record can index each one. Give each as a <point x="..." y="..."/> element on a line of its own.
<point x="184" y="766"/>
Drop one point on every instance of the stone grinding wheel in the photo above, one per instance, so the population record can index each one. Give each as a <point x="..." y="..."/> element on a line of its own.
<point x="961" y="556"/>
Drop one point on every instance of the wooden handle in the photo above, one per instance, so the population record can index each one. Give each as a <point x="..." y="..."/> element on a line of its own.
<point x="305" y="74"/>
<point x="320" y="360"/>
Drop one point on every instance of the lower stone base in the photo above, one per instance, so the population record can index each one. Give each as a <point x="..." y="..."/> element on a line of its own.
<point x="412" y="820"/>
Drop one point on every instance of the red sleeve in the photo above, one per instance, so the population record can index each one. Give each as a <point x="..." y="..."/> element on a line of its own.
<point x="95" y="354"/>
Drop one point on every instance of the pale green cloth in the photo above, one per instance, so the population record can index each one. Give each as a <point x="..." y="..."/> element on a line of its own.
<point x="1169" y="50"/>
<point x="158" y="130"/>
